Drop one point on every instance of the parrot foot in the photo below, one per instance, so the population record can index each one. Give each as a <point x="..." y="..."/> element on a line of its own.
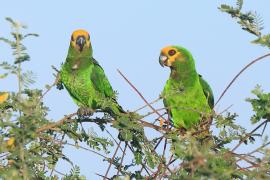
<point x="59" y="86"/>
<point x="182" y="131"/>
<point x="84" y="112"/>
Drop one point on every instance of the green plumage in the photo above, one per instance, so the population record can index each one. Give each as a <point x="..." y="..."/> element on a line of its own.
<point x="187" y="95"/>
<point x="86" y="81"/>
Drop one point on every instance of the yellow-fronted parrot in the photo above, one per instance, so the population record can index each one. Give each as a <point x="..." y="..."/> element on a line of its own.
<point x="85" y="79"/>
<point x="186" y="95"/>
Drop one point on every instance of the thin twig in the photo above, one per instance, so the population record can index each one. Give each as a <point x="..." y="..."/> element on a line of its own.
<point x="50" y="87"/>
<point x="58" y="172"/>
<point x="58" y="123"/>
<point x="164" y="148"/>
<point x="259" y="148"/>
<point x="3" y="155"/>
<point x="122" y="159"/>
<point x="172" y="161"/>
<point x="153" y="112"/>
<point x="84" y="148"/>
<point x="159" y="119"/>
<point x="249" y="167"/>
<point x="226" y="109"/>
<point x="167" y="166"/>
<point x="248" y="135"/>
<point x="150" y="125"/>
<point x="113" y="139"/>
<point x="242" y="70"/>
<point x="153" y="102"/>
<point x="104" y="177"/>
<point x="245" y="159"/>
<point x="256" y="150"/>
<point x="111" y="161"/>
<point x="264" y="128"/>
<point x="61" y="142"/>
<point x="143" y="165"/>
<point x="160" y="139"/>
<point x="74" y="145"/>
<point x="162" y="162"/>
<point x="158" y="170"/>
<point x="140" y="94"/>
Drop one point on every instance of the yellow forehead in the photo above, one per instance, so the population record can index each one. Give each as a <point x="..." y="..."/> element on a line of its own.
<point x="80" y="32"/>
<point x="167" y="49"/>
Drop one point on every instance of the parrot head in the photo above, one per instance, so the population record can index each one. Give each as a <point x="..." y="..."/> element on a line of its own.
<point x="80" y="40"/>
<point x="170" y="56"/>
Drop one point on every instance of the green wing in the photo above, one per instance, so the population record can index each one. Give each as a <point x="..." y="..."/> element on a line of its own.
<point x="207" y="91"/>
<point x="100" y="81"/>
<point x="102" y="85"/>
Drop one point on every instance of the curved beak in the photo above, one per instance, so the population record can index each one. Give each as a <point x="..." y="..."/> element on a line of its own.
<point x="80" y="41"/>
<point x="163" y="60"/>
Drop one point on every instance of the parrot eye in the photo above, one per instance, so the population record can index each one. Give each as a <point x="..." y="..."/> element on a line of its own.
<point x="172" y="52"/>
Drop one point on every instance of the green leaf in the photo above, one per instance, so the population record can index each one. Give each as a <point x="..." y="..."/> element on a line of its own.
<point x="2" y="76"/>
<point x="17" y="36"/>
<point x="30" y="34"/>
<point x="22" y="58"/>
<point x="28" y="78"/>
<point x="249" y="21"/>
<point x="125" y="135"/>
<point x="138" y="157"/>
<point x="260" y="105"/>
<point x="263" y="41"/>
<point x="239" y="4"/>
<point x="7" y="41"/>
<point x="13" y="23"/>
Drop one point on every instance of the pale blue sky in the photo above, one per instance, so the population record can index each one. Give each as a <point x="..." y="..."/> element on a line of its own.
<point x="129" y="35"/>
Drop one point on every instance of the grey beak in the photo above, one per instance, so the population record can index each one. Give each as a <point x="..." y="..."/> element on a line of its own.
<point x="162" y="60"/>
<point x="80" y="41"/>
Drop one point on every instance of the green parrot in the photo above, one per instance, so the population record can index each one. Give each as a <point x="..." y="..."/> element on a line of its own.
<point x="85" y="79"/>
<point x="186" y="95"/>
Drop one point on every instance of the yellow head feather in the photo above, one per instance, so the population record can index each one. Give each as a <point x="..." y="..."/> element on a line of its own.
<point x="80" y="33"/>
<point x="171" y="53"/>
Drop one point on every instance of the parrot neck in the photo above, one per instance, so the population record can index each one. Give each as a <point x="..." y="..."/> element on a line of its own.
<point x="72" y="52"/>
<point x="184" y="73"/>
<point x="79" y="60"/>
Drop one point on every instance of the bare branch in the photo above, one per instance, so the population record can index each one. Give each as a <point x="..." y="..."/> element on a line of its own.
<point x="111" y="161"/>
<point x="140" y="94"/>
<point x="122" y="158"/>
<point x="153" y="102"/>
<point x="242" y="70"/>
